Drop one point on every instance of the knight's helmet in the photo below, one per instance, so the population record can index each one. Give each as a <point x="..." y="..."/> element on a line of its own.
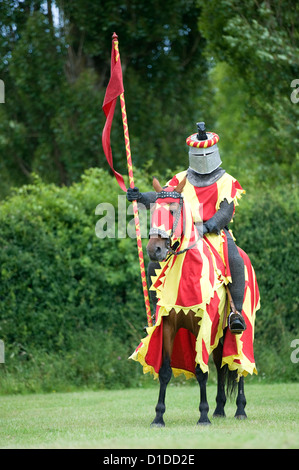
<point x="204" y="155"/>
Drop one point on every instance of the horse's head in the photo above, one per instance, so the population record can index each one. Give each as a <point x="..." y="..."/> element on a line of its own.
<point x="167" y="221"/>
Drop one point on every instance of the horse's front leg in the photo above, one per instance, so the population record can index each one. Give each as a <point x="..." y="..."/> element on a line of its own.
<point x="202" y="378"/>
<point x="221" y="397"/>
<point x="241" y="401"/>
<point x="165" y="374"/>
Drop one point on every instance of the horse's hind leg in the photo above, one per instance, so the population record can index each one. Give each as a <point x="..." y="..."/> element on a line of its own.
<point x="202" y="378"/>
<point x="164" y="378"/>
<point x="241" y="401"/>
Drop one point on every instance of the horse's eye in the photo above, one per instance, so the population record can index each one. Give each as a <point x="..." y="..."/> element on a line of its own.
<point x="173" y="208"/>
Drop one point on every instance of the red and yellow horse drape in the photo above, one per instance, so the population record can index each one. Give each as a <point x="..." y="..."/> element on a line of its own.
<point x="196" y="280"/>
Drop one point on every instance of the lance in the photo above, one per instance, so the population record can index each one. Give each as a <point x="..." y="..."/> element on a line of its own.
<point x="131" y="181"/>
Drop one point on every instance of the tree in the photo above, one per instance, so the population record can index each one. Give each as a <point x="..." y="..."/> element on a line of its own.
<point x="259" y="42"/>
<point x="57" y="71"/>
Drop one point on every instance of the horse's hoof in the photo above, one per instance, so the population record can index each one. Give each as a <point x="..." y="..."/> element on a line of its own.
<point x="241" y="417"/>
<point x="158" y="425"/>
<point x="203" y="423"/>
<point x="218" y="415"/>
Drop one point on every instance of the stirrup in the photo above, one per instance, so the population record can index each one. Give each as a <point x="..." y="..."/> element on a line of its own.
<point x="236" y="323"/>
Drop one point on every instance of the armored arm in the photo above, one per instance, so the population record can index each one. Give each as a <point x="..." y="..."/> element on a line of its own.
<point x="143" y="198"/>
<point x="222" y="218"/>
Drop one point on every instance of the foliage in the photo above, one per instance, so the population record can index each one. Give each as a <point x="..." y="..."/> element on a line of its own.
<point x="260" y="42"/>
<point x="232" y="68"/>
<point x="239" y="132"/>
<point x="58" y="280"/>
<point x="56" y="74"/>
<point x="226" y="62"/>
<point x="94" y="359"/>
<point x="72" y="308"/>
<point x="265" y="226"/>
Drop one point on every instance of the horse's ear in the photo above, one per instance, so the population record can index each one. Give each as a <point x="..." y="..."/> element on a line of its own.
<point x="157" y="185"/>
<point x="181" y="185"/>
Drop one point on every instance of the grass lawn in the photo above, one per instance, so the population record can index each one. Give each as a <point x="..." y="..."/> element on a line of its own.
<point x="121" y="419"/>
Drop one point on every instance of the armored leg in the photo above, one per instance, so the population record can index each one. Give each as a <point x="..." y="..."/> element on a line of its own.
<point x="236" y="321"/>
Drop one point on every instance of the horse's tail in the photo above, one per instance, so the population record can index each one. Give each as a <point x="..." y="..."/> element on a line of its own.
<point x="230" y="377"/>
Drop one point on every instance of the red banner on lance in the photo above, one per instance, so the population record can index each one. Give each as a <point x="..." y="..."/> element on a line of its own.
<point x="114" y="89"/>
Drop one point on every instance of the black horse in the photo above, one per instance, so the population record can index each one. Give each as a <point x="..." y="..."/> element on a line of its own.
<point x="158" y="248"/>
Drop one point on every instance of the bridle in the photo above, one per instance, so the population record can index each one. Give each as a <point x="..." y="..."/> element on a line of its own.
<point x="162" y="233"/>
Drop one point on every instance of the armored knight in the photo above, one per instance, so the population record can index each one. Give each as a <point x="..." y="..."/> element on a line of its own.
<point x="213" y="195"/>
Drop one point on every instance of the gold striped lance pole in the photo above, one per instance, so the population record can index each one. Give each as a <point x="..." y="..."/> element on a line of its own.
<point x="135" y="207"/>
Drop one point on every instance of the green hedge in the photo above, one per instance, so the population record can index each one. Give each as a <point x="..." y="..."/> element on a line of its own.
<point x="58" y="280"/>
<point x="72" y="307"/>
<point x="266" y="227"/>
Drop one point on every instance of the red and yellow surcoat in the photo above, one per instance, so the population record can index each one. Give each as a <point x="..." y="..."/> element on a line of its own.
<point x="205" y="202"/>
<point x="195" y="281"/>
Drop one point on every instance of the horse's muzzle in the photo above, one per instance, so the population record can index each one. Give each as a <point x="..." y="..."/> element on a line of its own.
<point x="157" y="248"/>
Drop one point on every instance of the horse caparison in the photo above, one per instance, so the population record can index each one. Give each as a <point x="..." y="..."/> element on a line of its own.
<point x="158" y="248"/>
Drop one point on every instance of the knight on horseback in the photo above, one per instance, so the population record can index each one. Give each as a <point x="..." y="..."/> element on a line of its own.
<point x="212" y="194"/>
